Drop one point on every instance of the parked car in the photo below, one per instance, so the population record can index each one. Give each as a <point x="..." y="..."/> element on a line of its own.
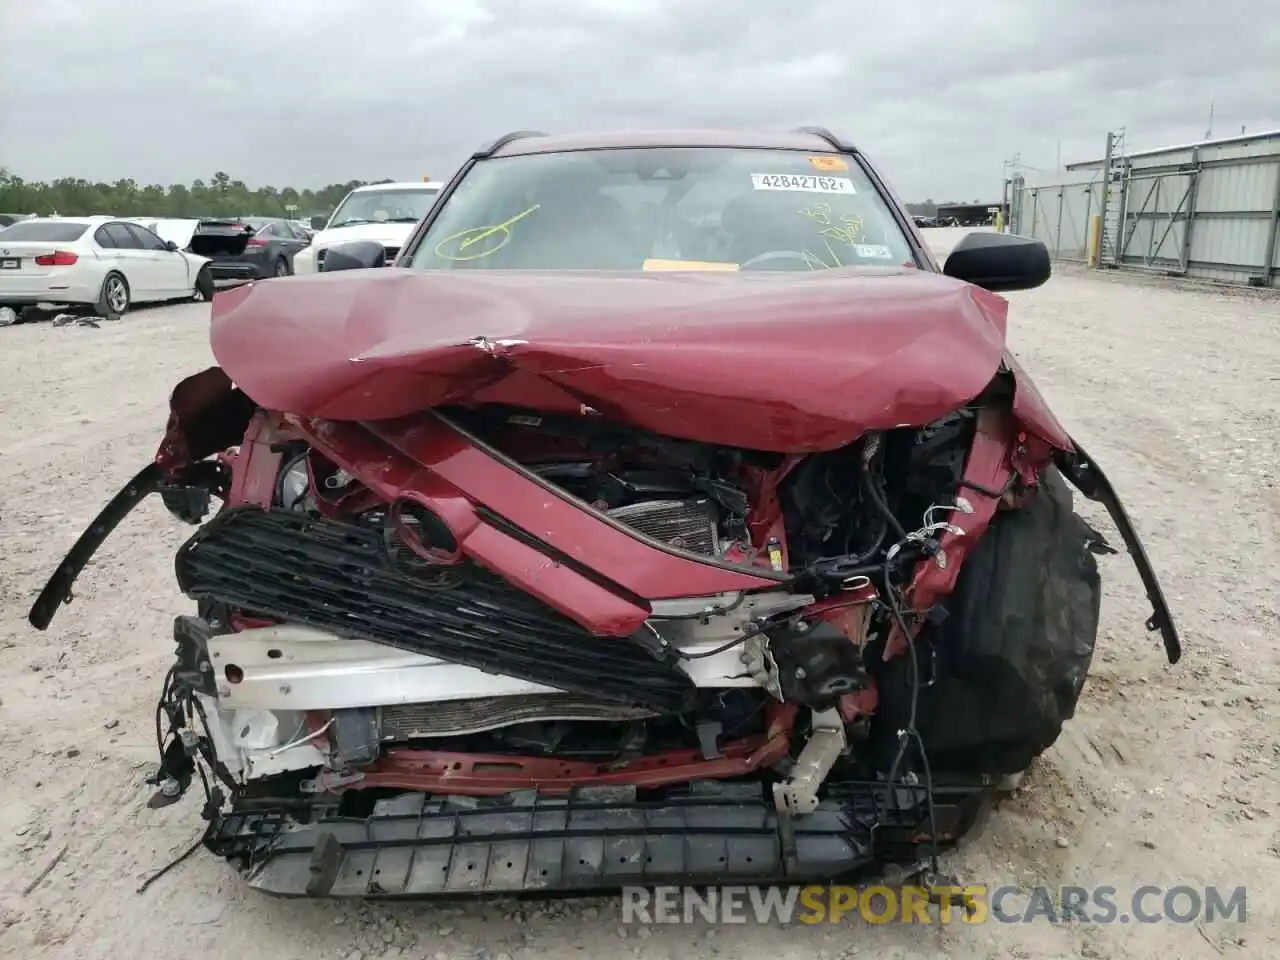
<point x="177" y="229"/>
<point x="7" y="219"/>
<point x="588" y="547"/>
<point x="247" y="248"/>
<point x="105" y="263"/>
<point x="381" y="212"/>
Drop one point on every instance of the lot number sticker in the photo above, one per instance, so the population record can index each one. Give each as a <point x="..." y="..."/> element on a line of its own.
<point x="872" y="251"/>
<point x="800" y="183"/>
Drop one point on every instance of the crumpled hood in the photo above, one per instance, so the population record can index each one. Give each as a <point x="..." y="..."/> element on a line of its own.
<point x="792" y="362"/>
<point x="392" y="234"/>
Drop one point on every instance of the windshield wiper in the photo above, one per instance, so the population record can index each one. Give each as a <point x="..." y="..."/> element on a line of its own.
<point x="402" y="220"/>
<point x="348" y="223"/>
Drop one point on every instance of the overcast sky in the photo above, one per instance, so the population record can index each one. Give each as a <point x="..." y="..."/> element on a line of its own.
<point x="309" y="92"/>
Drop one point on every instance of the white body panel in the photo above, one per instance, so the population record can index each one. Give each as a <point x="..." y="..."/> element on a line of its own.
<point x="386" y="233"/>
<point x="298" y="668"/>
<point x="152" y="274"/>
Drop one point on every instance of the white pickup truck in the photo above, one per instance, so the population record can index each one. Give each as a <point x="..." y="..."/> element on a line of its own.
<point x="382" y="212"/>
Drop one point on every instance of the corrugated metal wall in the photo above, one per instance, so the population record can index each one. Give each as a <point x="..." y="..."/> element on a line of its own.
<point x="1209" y="211"/>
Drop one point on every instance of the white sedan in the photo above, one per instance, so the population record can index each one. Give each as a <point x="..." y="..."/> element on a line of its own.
<point x="106" y="263"/>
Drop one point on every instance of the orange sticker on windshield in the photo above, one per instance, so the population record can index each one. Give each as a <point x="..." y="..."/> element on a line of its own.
<point x="700" y="265"/>
<point x="827" y="164"/>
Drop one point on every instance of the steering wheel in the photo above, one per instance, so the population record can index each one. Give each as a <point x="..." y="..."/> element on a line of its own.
<point x="772" y="255"/>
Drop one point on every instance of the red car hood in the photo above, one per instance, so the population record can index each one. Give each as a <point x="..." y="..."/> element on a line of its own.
<point x="792" y="362"/>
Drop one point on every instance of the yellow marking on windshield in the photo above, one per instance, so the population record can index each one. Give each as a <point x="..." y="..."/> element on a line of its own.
<point x="696" y="265"/>
<point x="465" y="239"/>
<point x="847" y="229"/>
<point x="820" y="212"/>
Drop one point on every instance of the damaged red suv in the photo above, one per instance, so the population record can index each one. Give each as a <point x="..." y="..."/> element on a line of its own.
<point x="664" y="513"/>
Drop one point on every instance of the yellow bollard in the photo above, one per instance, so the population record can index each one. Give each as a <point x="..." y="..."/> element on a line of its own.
<point x="1095" y="240"/>
<point x="999" y="221"/>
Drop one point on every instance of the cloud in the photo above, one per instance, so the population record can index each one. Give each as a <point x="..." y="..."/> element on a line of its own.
<point x="308" y="92"/>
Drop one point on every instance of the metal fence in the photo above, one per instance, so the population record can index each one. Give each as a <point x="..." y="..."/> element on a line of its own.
<point x="1208" y="211"/>
<point x="1058" y="215"/>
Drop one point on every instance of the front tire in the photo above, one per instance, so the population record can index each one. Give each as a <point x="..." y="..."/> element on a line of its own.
<point x="114" y="300"/>
<point x="282" y="267"/>
<point x="1014" y="650"/>
<point x="204" y="285"/>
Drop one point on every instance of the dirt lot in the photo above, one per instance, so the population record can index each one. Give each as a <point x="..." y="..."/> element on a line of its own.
<point x="1167" y="776"/>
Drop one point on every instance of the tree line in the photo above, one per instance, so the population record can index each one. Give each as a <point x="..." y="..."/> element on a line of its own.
<point x="219" y="196"/>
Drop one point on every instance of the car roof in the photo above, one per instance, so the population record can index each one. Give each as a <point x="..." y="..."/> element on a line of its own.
<point x="622" y="139"/>
<point x="402" y="185"/>
<point x="96" y="218"/>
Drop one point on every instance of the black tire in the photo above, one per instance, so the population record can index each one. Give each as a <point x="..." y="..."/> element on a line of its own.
<point x="282" y="268"/>
<point x="114" y="299"/>
<point x="1015" y="647"/>
<point x="204" y="284"/>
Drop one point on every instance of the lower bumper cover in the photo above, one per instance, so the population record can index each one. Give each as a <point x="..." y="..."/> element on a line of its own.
<point x="255" y="267"/>
<point x="416" y="846"/>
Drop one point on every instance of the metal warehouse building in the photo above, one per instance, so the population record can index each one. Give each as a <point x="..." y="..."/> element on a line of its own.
<point x="1208" y="210"/>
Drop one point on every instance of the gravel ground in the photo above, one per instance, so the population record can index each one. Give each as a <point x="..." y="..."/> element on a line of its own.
<point x="1167" y="776"/>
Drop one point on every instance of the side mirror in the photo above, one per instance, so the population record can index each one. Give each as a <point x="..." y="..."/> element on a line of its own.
<point x="999" y="262"/>
<point x="318" y="223"/>
<point x="356" y="255"/>
<point x="171" y="246"/>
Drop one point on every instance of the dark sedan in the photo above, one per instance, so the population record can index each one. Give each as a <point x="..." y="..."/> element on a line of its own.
<point x="247" y="248"/>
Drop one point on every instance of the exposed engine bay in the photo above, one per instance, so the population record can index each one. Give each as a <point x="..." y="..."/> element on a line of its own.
<point x="351" y="665"/>
<point x="701" y="673"/>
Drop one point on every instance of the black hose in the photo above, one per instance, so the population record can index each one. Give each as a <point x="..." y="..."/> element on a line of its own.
<point x="748" y="632"/>
<point x="877" y="495"/>
<point x="910" y="732"/>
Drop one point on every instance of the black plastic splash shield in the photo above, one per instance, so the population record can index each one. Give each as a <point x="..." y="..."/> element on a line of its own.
<point x="1087" y="477"/>
<point x="58" y="590"/>
<point x="414" y="846"/>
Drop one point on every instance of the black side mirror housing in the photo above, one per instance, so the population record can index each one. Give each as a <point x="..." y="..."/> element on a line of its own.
<point x="318" y="223"/>
<point x="356" y="255"/>
<point x="171" y="246"/>
<point x="999" y="262"/>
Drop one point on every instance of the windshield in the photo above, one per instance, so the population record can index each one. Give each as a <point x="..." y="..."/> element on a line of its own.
<point x="663" y="209"/>
<point x="383" y="206"/>
<point x="53" y="231"/>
